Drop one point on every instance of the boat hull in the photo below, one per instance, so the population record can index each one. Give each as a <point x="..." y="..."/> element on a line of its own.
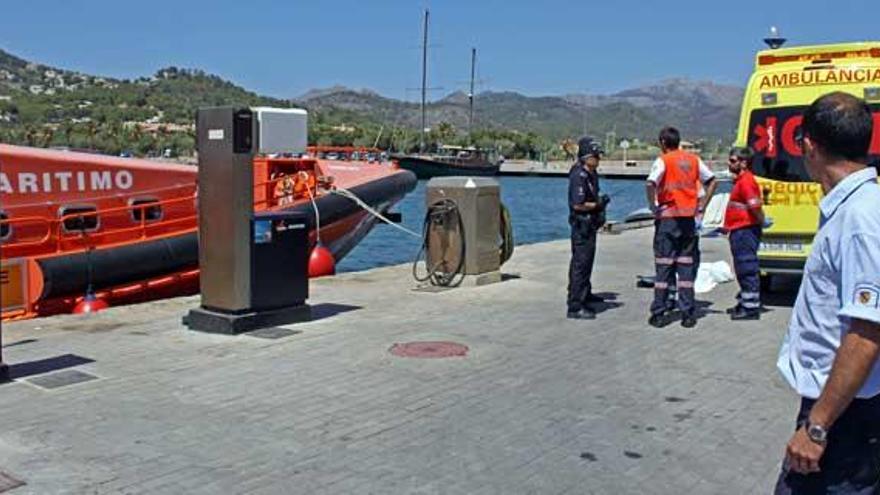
<point x="426" y="168"/>
<point x="66" y="277"/>
<point x="132" y="255"/>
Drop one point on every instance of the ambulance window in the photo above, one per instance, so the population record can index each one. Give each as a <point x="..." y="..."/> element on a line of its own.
<point x="141" y="210"/>
<point x="788" y="169"/>
<point x="84" y="222"/>
<point x="772" y="134"/>
<point x="5" y="228"/>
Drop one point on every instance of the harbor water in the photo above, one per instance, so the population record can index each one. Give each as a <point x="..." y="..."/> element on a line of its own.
<point x="538" y="208"/>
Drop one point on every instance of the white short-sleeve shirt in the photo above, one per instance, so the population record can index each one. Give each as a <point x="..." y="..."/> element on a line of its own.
<point x="841" y="282"/>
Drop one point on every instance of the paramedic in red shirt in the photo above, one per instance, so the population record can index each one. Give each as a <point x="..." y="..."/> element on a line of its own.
<point x="743" y="221"/>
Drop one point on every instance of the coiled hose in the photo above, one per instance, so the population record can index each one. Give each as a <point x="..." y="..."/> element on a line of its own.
<point x="506" y="231"/>
<point x="440" y="214"/>
<point x="445" y="214"/>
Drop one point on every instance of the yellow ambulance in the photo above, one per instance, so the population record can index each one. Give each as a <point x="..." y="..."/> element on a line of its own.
<point x="784" y="83"/>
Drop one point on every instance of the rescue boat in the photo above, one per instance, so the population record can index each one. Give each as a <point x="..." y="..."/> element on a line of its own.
<point x="125" y="229"/>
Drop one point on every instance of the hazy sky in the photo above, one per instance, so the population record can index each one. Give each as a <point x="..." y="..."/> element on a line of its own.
<point x="283" y="48"/>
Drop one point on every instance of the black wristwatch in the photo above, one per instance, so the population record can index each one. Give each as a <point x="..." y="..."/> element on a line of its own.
<point x="817" y="433"/>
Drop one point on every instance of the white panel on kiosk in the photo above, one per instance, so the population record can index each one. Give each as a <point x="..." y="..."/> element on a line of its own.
<point x="282" y="130"/>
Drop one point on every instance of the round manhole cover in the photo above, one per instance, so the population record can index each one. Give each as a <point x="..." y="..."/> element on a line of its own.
<point x="428" y="349"/>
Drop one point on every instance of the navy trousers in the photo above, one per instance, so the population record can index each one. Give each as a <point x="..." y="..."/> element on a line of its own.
<point x="744" y="244"/>
<point x="583" y="255"/>
<point x="851" y="462"/>
<point x="675" y="244"/>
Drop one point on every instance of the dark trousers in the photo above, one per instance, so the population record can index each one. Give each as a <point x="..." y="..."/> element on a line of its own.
<point x="744" y="244"/>
<point x="675" y="243"/>
<point x="851" y="462"/>
<point x="583" y="254"/>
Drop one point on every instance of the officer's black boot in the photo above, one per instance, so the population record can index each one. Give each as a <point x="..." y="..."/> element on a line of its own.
<point x="688" y="321"/>
<point x="659" y="320"/>
<point x="582" y="314"/>
<point x="593" y="298"/>
<point x="745" y="314"/>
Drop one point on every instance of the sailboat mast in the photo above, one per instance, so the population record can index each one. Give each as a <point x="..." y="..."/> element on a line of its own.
<point x="471" y="95"/>
<point x="424" y="80"/>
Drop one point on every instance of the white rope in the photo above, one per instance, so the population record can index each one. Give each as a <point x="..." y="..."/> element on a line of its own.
<point x="352" y="196"/>
<point x="317" y="215"/>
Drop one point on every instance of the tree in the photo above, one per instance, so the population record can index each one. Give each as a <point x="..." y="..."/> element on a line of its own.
<point x="48" y="134"/>
<point x="91" y="132"/>
<point x="30" y="135"/>
<point x="67" y="131"/>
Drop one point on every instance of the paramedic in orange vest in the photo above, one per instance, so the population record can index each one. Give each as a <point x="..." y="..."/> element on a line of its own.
<point x="672" y="192"/>
<point x="743" y="221"/>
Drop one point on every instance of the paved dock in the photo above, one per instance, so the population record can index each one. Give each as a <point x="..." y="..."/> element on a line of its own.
<point x="540" y="404"/>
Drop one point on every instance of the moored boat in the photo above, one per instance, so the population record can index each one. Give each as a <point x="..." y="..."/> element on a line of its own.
<point x="127" y="227"/>
<point x="451" y="161"/>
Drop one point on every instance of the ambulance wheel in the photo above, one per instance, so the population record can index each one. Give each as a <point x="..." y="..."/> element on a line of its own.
<point x="766" y="282"/>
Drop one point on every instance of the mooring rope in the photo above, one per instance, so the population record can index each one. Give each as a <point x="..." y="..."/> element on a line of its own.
<point x="352" y="196"/>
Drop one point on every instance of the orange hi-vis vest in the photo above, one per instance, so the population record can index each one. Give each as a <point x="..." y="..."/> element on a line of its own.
<point x="678" y="190"/>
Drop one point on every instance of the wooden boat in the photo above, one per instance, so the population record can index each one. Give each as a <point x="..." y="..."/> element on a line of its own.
<point x="451" y="161"/>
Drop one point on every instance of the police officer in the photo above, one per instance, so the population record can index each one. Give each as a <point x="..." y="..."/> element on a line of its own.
<point x="673" y="194"/>
<point x="586" y="215"/>
<point x="830" y="353"/>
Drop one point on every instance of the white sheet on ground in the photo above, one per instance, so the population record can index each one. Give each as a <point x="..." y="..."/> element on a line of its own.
<point x="710" y="275"/>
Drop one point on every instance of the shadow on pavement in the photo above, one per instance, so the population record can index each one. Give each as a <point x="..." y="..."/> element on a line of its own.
<point x="610" y="303"/>
<point x="23" y="370"/>
<point x="782" y="291"/>
<point x="329" y="310"/>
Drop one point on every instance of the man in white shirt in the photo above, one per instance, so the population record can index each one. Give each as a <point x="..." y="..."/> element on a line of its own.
<point x="829" y="355"/>
<point x="672" y="191"/>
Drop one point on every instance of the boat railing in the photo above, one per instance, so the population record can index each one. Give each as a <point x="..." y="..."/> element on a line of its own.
<point x="13" y="224"/>
<point x="287" y="188"/>
<point x="51" y="236"/>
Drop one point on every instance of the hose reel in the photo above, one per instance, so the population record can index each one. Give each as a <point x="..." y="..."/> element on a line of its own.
<point x="445" y="247"/>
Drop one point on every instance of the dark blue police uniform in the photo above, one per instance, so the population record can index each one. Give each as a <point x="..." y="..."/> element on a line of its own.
<point x="583" y="186"/>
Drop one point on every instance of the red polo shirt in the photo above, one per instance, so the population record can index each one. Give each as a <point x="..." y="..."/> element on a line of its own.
<point x="745" y="201"/>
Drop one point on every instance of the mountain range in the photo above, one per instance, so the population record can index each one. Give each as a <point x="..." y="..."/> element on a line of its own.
<point x="702" y="110"/>
<point x="36" y="95"/>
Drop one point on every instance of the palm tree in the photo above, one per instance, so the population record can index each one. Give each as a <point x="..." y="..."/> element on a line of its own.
<point x="112" y="132"/>
<point x="569" y="147"/>
<point x="67" y="130"/>
<point x="30" y="135"/>
<point x="48" y="134"/>
<point x="92" y="131"/>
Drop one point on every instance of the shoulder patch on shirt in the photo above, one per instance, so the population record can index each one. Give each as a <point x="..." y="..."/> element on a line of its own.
<point x="867" y="296"/>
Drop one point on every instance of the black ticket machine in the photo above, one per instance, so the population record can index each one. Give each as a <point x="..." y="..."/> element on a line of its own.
<point x="254" y="265"/>
<point x="279" y="260"/>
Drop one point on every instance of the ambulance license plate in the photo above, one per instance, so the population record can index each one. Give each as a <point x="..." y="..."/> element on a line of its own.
<point x="783" y="246"/>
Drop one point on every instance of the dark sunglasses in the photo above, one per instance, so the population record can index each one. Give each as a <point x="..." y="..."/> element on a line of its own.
<point x="734" y="159"/>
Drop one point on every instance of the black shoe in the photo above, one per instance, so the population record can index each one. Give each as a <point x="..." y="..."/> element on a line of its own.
<point x="593" y="298"/>
<point x="734" y="309"/>
<point x="745" y="314"/>
<point x="583" y="314"/>
<point x="658" y="320"/>
<point x="688" y="322"/>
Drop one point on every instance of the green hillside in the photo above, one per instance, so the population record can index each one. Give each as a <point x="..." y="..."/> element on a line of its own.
<point x="153" y="116"/>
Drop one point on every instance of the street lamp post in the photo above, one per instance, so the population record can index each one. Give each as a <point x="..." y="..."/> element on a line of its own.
<point x="624" y="145"/>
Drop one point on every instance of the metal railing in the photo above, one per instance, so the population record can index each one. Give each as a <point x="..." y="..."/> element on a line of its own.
<point x="55" y="238"/>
